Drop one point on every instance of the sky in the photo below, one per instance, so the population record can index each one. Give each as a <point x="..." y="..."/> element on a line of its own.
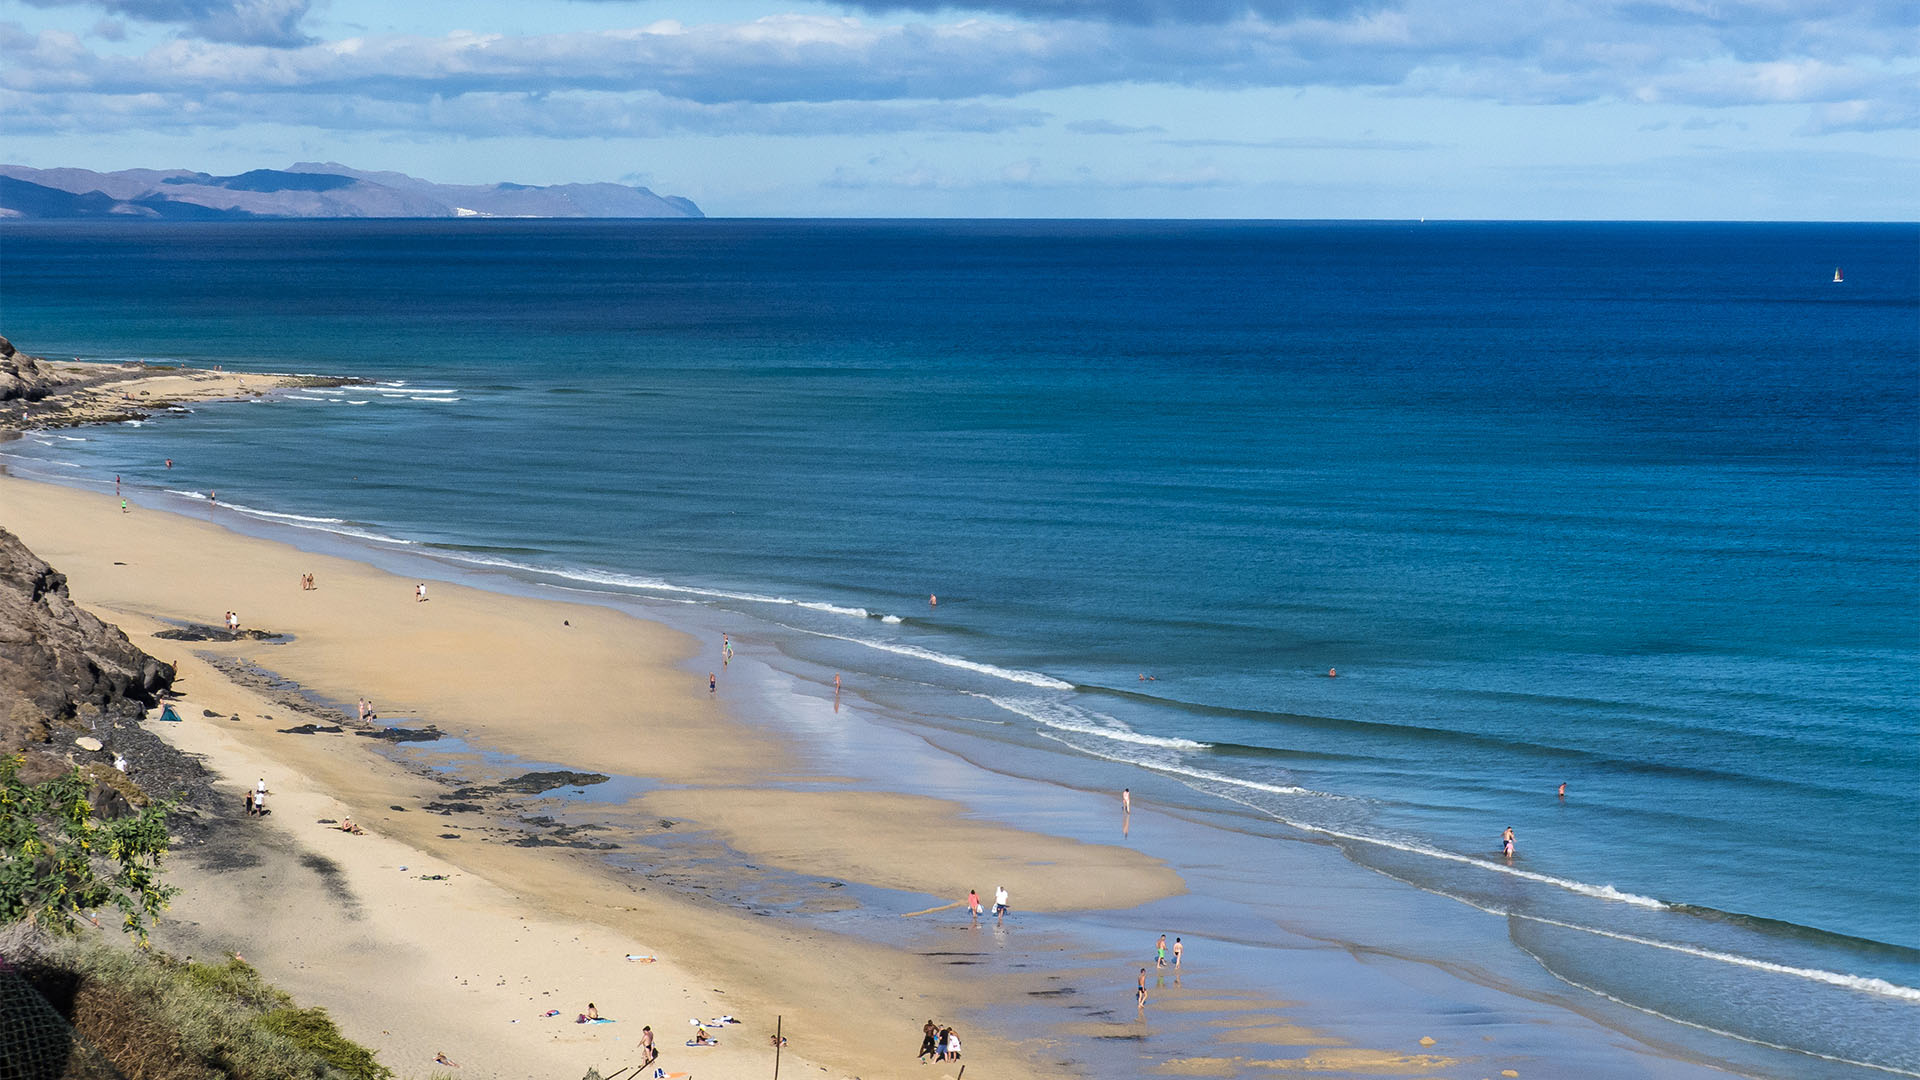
<point x="1516" y="109"/>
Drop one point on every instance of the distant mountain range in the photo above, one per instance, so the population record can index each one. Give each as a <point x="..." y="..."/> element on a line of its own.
<point x="309" y="190"/>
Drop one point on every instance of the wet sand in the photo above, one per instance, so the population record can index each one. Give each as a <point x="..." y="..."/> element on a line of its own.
<point x="465" y="964"/>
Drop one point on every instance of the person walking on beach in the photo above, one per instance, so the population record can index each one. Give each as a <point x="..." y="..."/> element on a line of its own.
<point x="1140" y="992"/>
<point x="1126" y="801"/>
<point x="929" y="1042"/>
<point x="1177" y="950"/>
<point x="1506" y="842"/>
<point x="999" y="904"/>
<point x="713" y="684"/>
<point x="420" y="593"/>
<point x="647" y="1052"/>
<point x="1160" y="952"/>
<point x="973" y="903"/>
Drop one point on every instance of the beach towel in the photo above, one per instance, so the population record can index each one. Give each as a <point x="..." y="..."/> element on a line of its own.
<point x="709" y="1042"/>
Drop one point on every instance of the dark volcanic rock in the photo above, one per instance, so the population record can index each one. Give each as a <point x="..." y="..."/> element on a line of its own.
<point x="63" y="672"/>
<point x="21" y="376"/>
<point x="312" y="729"/>
<point x="534" y="783"/>
<point x="202" y="632"/>
<point x="60" y="667"/>
<point x="400" y="734"/>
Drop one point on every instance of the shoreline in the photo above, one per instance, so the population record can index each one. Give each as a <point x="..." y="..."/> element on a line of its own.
<point x="770" y="790"/>
<point x="175" y="559"/>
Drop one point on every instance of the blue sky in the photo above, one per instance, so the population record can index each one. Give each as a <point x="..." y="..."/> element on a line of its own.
<point x="1720" y="109"/>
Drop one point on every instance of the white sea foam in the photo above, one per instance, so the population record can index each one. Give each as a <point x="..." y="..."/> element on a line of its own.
<point x="1030" y="678"/>
<point x="350" y="401"/>
<point x="1175" y="769"/>
<point x="307" y="397"/>
<point x="286" y="517"/>
<point x="890" y="618"/>
<point x="337" y="526"/>
<point x="1736" y="1035"/>
<point x="1063" y="716"/>
<point x="134" y="423"/>
<point x="318" y="390"/>
<point x="327" y="525"/>
<point x="1831" y="978"/>
<point x="655" y="585"/>
<point x="1598" y="892"/>
<point x="42" y="461"/>
<point x="439" y="400"/>
<point x="833" y="609"/>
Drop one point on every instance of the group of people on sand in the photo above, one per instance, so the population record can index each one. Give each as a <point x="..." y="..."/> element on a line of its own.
<point x="1000" y="907"/>
<point x="939" y="1043"/>
<point x="306" y="583"/>
<point x="367" y="715"/>
<point x="257" y="799"/>
<point x="233" y="622"/>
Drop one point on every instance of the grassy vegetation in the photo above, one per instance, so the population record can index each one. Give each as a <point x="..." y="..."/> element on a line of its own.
<point x="160" y="1019"/>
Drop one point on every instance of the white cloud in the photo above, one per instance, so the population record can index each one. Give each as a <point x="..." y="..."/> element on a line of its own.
<point x="805" y="74"/>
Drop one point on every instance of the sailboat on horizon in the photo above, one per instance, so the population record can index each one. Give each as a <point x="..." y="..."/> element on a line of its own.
<point x="1837" y="278"/>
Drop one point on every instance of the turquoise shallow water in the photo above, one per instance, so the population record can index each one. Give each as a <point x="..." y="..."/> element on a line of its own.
<point x="1632" y="507"/>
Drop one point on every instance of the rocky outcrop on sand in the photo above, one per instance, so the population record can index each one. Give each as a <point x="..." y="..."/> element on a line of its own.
<point x="23" y="377"/>
<point x="64" y="674"/>
<point x="40" y="393"/>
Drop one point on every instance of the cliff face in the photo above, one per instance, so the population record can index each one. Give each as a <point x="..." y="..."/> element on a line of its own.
<point x="22" y="378"/>
<point x="63" y="672"/>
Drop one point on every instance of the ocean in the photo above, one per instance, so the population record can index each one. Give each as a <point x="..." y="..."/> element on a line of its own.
<point x="1629" y="507"/>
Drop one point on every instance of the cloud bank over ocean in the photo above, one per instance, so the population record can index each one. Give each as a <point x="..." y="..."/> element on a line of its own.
<point x="1093" y="90"/>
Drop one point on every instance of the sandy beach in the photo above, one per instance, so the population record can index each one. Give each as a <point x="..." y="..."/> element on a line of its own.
<point x="425" y="938"/>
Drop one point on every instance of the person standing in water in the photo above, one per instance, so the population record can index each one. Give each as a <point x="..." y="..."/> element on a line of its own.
<point x="713" y="684"/>
<point x="1563" y="789"/>
<point x="1160" y="952"/>
<point x="1140" y="992"/>
<point x="1177" y="950"/>
<point x="1126" y="800"/>
<point x="1506" y="842"/>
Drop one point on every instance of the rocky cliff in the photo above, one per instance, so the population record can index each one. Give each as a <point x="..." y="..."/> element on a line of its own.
<point x="23" y="377"/>
<point x="63" y="673"/>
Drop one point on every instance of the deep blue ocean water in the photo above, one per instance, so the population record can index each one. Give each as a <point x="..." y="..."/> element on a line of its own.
<point x="1635" y="507"/>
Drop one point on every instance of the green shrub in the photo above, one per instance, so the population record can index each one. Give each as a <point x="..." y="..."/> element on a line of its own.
<point x="221" y="1020"/>
<point x="314" y="1032"/>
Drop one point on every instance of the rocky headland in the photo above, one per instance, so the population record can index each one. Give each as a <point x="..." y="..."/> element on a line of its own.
<point x="39" y="393"/>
